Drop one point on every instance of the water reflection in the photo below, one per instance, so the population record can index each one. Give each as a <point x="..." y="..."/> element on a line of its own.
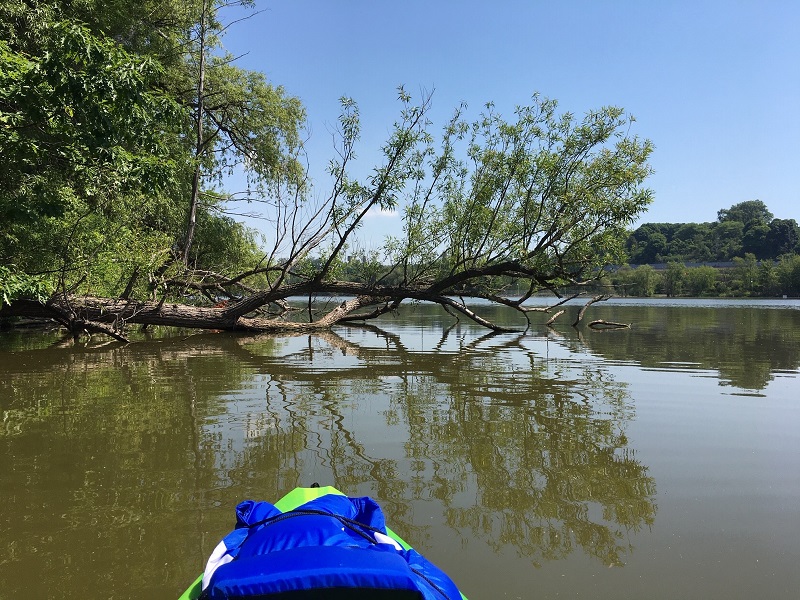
<point x="538" y="445"/>
<point x="110" y="466"/>
<point x="121" y="463"/>
<point x="745" y="347"/>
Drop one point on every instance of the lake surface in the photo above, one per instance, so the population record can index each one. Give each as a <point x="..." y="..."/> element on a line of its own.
<point x="661" y="461"/>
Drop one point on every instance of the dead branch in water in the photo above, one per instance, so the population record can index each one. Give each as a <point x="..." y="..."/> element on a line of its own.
<point x="553" y="318"/>
<point x="600" y="324"/>
<point x="600" y="298"/>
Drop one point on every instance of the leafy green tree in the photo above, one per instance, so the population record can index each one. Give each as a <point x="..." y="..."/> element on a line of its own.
<point x="644" y="281"/>
<point x="755" y="241"/>
<point x="788" y="271"/>
<point x="96" y="163"/>
<point x="744" y="228"/>
<point x="79" y="122"/>
<point x="673" y="278"/>
<point x="745" y="275"/>
<point x="83" y="145"/>
<point x="768" y="279"/>
<point x="701" y="281"/>
<point x="748" y="213"/>
<point x="648" y="243"/>
<point x="783" y="238"/>
<point x="621" y="280"/>
<point x="727" y="239"/>
<point x="14" y="284"/>
<point x="238" y="119"/>
<point x="691" y="243"/>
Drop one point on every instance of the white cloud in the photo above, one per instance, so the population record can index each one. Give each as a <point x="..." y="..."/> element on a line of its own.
<point x="379" y="212"/>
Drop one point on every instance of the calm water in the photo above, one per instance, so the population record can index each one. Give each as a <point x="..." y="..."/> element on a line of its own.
<point x="661" y="461"/>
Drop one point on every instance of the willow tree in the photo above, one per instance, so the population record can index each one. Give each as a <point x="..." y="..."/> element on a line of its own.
<point x="538" y="201"/>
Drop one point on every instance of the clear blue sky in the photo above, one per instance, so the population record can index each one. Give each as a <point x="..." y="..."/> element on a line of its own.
<point x="714" y="84"/>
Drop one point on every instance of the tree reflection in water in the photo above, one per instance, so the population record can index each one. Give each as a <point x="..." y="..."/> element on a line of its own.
<point x="521" y="450"/>
<point x="125" y="461"/>
<point x="519" y="440"/>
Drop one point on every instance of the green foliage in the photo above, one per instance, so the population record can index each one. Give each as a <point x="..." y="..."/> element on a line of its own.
<point x="224" y="245"/>
<point x="673" y="279"/>
<point x="746" y="236"/>
<point x="14" y="284"/>
<point x="768" y="281"/>
<point x="691" y="242"/>
<point x="78" y="119"/>
<point x="701" y="281"/>
<point x="745" y="275"/>
<point x="783" y="238"/>
<point x="84" y="151"/>
<point x="95" y="155"/>
<point x="747" y="227"/>
<point x="364" y="266"/>
<point x="727" y="239"/>
<point x="644" y="280"/>
<point x="749" y="213"/>
<point x="546" y="193"/>
<point x="247" y="123"/>
<point x="788" y="273"/>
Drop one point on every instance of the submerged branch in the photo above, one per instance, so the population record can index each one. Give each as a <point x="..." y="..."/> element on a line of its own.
<point x="600" y="324"/>
<point x="600" y="298"/>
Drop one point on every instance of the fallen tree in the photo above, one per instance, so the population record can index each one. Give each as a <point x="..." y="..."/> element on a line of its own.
<point x="500" y="211"/>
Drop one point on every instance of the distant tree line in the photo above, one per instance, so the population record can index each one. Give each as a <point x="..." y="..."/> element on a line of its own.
<point x="746" y="252"/>
<point x="742" y="277"/>
<point x="745" y="228"/>
<point x="746" y="277"/>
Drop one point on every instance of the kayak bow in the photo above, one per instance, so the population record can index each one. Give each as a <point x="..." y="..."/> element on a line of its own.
<point x="294" y="499"/>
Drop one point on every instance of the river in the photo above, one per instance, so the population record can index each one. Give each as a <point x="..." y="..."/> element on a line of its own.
<point x="660" y="461"/>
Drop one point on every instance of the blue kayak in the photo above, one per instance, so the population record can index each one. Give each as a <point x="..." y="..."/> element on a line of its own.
<point x="317" y="543"/>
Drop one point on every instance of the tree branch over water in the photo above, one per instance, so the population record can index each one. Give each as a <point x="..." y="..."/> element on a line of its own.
<point x="489" y="206"/>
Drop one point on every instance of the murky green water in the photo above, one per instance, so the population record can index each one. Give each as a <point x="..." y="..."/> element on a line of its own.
<point x="657" y="462"/>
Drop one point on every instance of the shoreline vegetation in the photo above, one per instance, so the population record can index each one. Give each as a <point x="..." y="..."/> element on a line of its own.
<point x="741" y="278"/>
<point x="120" y="125"/>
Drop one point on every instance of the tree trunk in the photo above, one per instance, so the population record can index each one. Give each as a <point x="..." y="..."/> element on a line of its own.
<point x="99" y="314"/>
<point x="191" y="223"/>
